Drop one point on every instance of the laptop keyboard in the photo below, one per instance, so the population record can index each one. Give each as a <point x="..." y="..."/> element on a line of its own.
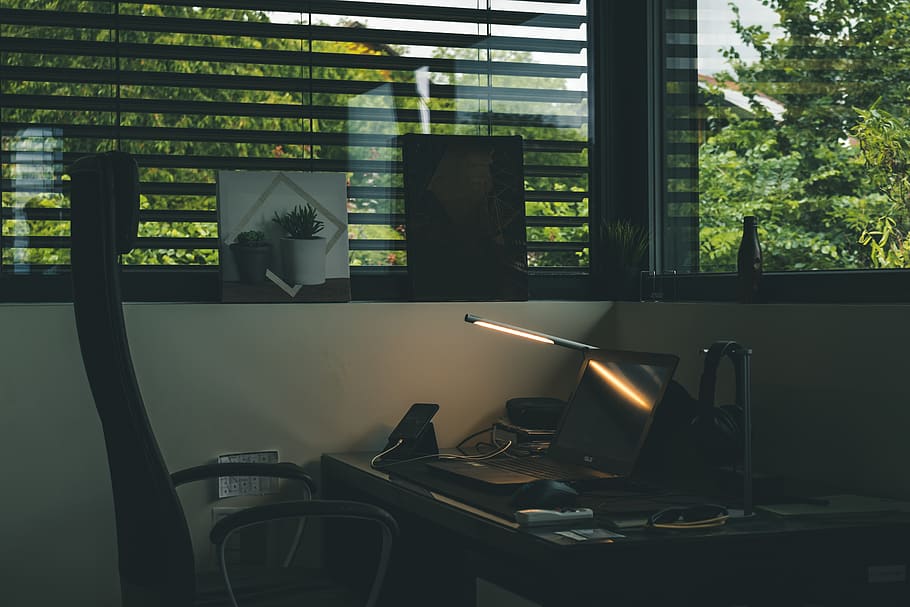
<point x="541" y="468"/>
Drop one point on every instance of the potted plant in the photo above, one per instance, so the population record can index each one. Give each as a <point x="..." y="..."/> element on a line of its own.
<point x="624" y="245"/>
<point x="251" y="253"/>
<point x="303" y="252"/>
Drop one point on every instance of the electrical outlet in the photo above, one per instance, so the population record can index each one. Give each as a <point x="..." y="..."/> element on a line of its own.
<point x="232" y="486"/>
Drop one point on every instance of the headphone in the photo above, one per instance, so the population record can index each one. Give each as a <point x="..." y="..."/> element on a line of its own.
<point x="719" y="430"/>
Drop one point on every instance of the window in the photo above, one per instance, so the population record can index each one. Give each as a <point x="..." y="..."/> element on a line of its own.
<point x="794" y="111"/>
<point x="192" y="87"/>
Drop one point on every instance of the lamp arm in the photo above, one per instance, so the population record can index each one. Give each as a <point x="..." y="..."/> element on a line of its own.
<point x="527" y="333"/>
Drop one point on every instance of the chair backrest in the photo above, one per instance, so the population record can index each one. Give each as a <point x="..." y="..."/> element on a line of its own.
<point x="155" y="552"/>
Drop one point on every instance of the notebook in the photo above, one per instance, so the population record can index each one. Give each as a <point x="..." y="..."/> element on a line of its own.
<point x="602" y="428"/>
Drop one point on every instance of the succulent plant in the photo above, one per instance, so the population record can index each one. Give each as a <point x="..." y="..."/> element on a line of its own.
<point x="251" y="238"/>
<point x="299" y="222"/>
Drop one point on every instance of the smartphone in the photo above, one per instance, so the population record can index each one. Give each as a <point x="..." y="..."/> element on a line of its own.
<point x="413" y="423"/>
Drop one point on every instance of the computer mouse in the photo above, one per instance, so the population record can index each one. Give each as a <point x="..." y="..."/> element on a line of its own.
<point x="544" y="494"/>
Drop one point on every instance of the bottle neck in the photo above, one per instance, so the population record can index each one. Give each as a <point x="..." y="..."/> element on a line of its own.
<point x="749" y="228"/>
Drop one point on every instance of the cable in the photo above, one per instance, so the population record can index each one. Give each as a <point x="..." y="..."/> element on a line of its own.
<point x="386" y="452"/>
<point x="502" y="449"/>
<point x="438" y="456"/>
<point x="495" y="442"/>
<point x="711" y="522"/>
<point x="467" y="438"/>
<point x="689" y="517"/>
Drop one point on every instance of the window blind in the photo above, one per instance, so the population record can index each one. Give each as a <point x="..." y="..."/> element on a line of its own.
<point x="682" y="114"/>
<point x="192" y="87"/>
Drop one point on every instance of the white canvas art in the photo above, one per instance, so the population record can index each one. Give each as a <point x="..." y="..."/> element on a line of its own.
<point x="249" y="201"/>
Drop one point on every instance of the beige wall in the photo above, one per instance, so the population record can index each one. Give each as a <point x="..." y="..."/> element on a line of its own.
<point x="830" y="382"/>
<point x="830" y="394"/>
<point x="303" y="379"/>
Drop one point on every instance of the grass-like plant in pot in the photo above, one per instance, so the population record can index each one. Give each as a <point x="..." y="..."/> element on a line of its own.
<point x="251" y="252"/>
<point x="625" y="246"/>
<point x="302" y="251"/>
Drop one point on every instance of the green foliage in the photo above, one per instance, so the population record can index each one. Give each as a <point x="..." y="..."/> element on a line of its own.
<point x="820" y="199"/>
<point x="885" y="142"/>
<point x="300" y="222"/>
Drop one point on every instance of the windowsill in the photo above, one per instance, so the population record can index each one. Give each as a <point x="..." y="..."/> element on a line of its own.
<point x="201" y="285"/>
<point x="814" y="287"/>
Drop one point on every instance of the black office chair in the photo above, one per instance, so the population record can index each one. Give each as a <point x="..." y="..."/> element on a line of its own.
<point x="157" y="567"/>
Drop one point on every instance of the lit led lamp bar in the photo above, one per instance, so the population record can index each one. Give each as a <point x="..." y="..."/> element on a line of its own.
<point x="532" y="335"/>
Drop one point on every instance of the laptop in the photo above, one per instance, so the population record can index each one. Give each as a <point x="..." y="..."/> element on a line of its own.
<point x="601" y="431"/>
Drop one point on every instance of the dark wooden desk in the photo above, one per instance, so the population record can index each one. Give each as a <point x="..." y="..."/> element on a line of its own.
<point x="447" y="546"/>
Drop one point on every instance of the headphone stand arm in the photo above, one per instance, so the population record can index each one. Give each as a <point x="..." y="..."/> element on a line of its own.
<point x="742" y="358"/>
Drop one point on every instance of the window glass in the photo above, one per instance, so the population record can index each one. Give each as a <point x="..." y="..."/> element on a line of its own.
<point x="190" y="90"/>
<point x="796" y="112"/>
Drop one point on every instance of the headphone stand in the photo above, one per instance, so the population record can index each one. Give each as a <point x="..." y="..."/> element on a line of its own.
<point x="742" y="360"/>
<point x="741" y="357"/>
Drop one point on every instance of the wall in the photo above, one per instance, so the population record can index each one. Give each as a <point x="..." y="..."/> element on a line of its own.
<point x="303" y="379"/>
<point x="829" y="390"/>
<point x="829" y="382"/>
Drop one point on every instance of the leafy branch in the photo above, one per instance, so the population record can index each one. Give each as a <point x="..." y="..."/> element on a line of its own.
<point x="885" y="143"/>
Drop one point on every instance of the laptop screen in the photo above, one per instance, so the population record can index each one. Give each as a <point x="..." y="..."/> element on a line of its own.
<point x="610" y="411"/>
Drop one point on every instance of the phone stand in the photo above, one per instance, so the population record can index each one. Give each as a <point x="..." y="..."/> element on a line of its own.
<point x="424" y="444"/>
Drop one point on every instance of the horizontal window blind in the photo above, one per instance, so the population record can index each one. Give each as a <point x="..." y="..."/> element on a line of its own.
<point x="191" y="87"/>
<point x="681" y="137"/>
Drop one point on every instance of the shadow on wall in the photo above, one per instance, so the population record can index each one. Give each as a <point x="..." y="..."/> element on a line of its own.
<point x="829" y="397"/>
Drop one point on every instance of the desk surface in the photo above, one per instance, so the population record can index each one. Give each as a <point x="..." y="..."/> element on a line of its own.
<point x="460" y="497"/>
<point x="825" y="552"/>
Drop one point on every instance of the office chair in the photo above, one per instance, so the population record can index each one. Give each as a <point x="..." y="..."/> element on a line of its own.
<point x="157" y="567"/>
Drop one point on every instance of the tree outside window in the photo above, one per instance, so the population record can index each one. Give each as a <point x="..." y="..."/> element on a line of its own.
<point x="807" y="128"/>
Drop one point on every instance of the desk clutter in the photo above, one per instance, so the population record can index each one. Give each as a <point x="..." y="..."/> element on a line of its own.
<point x="614" y="455"/>
<point x="638" y="479"/>
<point x="591" y="442"/>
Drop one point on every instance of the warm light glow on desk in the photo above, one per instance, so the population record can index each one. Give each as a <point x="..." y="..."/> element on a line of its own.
<point x="621" y="385"/>
<point x="527" y="333"/>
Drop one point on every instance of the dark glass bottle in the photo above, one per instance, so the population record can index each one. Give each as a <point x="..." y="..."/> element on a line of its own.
<point x="748" y="263"/>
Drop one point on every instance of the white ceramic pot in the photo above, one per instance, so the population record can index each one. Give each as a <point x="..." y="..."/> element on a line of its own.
<point x="304" y="260"/>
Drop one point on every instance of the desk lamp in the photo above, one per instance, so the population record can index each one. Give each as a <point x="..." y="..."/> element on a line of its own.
<point x="741" y="357"/>
<point x="547" y="410"/>
<point x="527" y="334"/>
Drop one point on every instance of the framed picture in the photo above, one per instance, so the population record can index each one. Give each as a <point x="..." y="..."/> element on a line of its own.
<point x="464" y="198"/>
<point x="283" y="236"/>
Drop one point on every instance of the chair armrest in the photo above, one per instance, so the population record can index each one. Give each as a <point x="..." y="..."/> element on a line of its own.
<point x="281" y="470"/>
<point x="325" y="508"/>
<point x="282" y="510"/>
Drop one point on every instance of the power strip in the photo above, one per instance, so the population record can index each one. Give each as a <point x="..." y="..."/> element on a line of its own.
<point x="232" y="486"/>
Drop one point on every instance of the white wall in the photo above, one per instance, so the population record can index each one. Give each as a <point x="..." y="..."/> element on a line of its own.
<point x="304" y="379"/>
<point x="830" y="382"/>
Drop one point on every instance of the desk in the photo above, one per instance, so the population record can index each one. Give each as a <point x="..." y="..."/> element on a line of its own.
<point x="447" y="545"/>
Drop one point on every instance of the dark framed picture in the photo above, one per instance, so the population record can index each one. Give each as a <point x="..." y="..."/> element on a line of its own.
<point x="464" y="198"/>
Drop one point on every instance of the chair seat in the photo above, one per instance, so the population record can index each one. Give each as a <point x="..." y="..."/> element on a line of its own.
<point x="275" y="587"/>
